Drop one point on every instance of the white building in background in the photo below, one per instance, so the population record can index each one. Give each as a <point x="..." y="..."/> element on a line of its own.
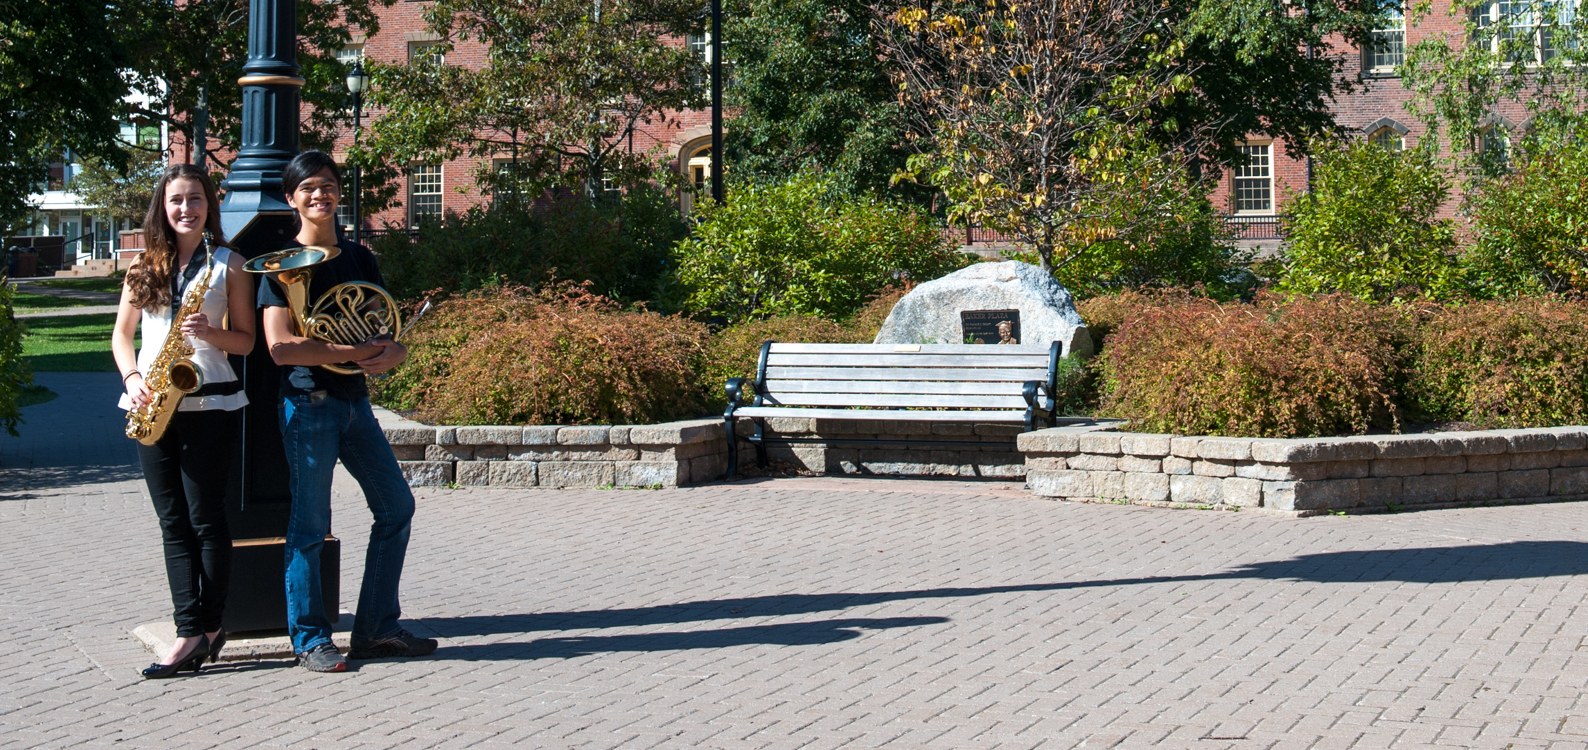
<point x="58" y="211"/>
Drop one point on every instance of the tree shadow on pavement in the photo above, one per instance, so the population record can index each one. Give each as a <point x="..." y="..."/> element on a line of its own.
<point x="1430" y="565"/>
<point x="22" y="484"/>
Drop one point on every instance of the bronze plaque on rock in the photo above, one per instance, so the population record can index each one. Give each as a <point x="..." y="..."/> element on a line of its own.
<point x="990" y="326"/>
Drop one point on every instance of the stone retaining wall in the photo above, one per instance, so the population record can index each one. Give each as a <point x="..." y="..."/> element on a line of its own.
<point x="996" y="459"/>
<point x="663" y="455"/>
<point x="1310" y="476"/>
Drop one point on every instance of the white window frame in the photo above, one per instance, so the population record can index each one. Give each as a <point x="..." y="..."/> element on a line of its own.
<point x="422" y="214"/>
<point x="1533" y="20"/>
<point x="1387" y="42"/>
<point x="1254" y="179"/>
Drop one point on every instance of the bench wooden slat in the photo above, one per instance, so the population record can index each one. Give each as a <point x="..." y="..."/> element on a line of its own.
<point x="906" y="374"/>
<point x="1015" y="417"/>
<point x="782" y="359"/>
<point x="932" y="401"/>
<point x="976" y="349"/>
<point x="779" y="385"/>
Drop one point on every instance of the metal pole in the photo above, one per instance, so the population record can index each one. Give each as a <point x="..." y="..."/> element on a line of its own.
<point x="358" y="111"/>
<point x="717" y="193"/>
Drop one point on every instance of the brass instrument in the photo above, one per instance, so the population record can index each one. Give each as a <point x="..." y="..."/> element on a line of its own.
<point x="172" y="374"/>
<point x="349" y="313"/>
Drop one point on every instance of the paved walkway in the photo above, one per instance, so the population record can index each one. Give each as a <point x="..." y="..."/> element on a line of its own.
<point x="107" y="301"/>
<point x="827" y="613"/>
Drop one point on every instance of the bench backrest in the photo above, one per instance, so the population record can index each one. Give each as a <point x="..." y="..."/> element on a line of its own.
<point x="938" y="376"/>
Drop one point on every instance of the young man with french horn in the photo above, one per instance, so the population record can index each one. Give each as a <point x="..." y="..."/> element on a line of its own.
<point x="326" y="416"/>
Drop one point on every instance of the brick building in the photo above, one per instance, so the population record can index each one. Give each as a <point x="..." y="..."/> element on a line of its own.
<point x="429" y="191"/>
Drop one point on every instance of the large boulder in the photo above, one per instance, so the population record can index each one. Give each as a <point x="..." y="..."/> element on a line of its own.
<point x="968" y="302"/>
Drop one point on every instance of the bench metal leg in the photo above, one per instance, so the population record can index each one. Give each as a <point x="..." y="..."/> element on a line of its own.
<point x="733" y="447"/>
<point x="760" y="442"/>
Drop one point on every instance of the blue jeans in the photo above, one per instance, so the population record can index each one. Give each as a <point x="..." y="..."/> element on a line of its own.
<point x="317" y="429"/>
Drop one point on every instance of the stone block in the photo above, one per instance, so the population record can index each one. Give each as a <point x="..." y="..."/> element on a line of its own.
<point x="649" y="474"/>
<point x="1568" y="480"/>
<point x="1054" y="440"/>
<point x="707" y="468"/>
<point x="1271" y="472"/>
<point x="514" y="474"/>
<point x="791" y="425"/>
<point x="409" y="435"/>
<point x="472" y="473"/>
<point x="1094" y="462"/>
<point x="1110" y="485"/>
<point x="1354" y="448"/>
<point x="1196" y="490"/>
<point x="1399" y="467"/>
<point x="1530" y="441"/>
<point x="1350" y="469"/>
<point x="999" y="431"/>
<point x="1213" y="468"/>
<point x="1322" y="494"/>
<point x="446" y="436"/>
<point x="408" y="452"/>
<point x="575" y="474"/>
<point x="1140" y="464"/>
<point x="1445" y="465"/>
<point x="1569" y="438"/>
<point x="1046" y="463"/>
<point x="1294" y="451"/>
<point x="490" y="436"/>
<point x="1378" y="492"/>
<point x="1488" y="462"/>
<point x="1141" y="487"/>
<point x="1429" y="489"/>
<point x="802" y="456"/>
<point x="1480" y="486"/>
<point x="1070" y="484"/>
<point x="490" y="452"/>
<point x="539" y="435"/>
<point x="1144" y="444"/>
<point x="619" y="434"/>
<point x="1515" y="484"/>
<point x="449" y="452"/>
<point x="1572" y="457"/>
<point x="1481" y="443"/>
<point x="940" y="429"/>
<point x="1449" y="444"/>
<point x="426" y="473"/>
<point x="1174" y="465"/>
<point x="1405" y="446"/>
<point x="1184" y="447"/>
<point x="583" y="435"/>
<point x="1000" y="471"/>
<point x="1243" y="493"/>
<point x="1225" y="449"/>
<point x="1102" y="443"/>
<point x="1539" y="460"/>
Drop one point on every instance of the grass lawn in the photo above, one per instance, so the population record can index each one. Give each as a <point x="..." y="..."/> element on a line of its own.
<point x="69" y="343"/>
<point x="26" y="301"/>
<point x="106" y="284"/>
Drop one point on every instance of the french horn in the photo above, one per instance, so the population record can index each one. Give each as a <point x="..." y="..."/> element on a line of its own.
<point x="349" y="313"/>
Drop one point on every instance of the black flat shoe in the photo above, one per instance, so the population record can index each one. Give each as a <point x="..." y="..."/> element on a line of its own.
<point x="216" y="645"/>
<point x="194" y="661"/>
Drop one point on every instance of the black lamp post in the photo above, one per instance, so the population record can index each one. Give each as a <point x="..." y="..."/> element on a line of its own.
<point x="357" y="84"/>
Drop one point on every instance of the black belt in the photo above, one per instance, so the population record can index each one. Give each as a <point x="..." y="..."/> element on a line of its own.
<point x="218" y="389"/>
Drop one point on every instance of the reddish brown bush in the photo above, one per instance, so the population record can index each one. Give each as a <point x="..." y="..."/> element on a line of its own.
<point x="1322" y="366"/>
<point x="559" y="356"/>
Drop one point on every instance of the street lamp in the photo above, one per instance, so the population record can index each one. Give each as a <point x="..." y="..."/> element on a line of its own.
<point x="357" y="84"/>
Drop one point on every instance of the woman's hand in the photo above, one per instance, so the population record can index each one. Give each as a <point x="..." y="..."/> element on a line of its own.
<point x="138" y="390"/>
<point x="198" y="326"/>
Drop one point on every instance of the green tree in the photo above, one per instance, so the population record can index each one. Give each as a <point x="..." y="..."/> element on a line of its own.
<point x="811" y="92"/>
<point x="1367" y="227"/>
<point x="564" y="83"/>
<point x="59" y="89"/>
<point x="1532" y="224"/>
<point x="120" y="193"/>
<point x="802" y="247"/>
<point x="14" y="373"/>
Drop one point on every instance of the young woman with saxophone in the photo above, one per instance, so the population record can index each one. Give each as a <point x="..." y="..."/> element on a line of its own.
<point x="186" y="468"/>
<point x="326" y="416"/>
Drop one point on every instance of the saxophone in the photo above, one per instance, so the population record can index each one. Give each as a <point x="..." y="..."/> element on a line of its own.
<point x="172" y="375"/>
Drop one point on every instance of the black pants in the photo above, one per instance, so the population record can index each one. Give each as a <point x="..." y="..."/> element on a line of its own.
<point x="187" y="471"/>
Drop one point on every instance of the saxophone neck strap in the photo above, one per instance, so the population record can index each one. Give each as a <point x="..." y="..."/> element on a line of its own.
<point x="181" y="281"/>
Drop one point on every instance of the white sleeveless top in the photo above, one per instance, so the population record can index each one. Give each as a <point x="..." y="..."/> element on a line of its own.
<point x="210" y="361"/>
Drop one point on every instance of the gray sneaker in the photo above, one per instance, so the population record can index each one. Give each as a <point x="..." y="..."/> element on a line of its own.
<point x="400" y="643"/>
<point x="323" y="658"/>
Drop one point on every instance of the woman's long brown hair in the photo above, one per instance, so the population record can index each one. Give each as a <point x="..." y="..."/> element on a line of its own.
<point x="149" y="278"/>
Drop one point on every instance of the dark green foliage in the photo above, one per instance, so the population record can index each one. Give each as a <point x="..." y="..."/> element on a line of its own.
<point x="14" y="373"/>
<point x="735" y="350"/>
<point x="1518" y="363"/>
<point x="803" y="248"/>
<point x="558" y="356"/>
<point x="1368" y="228"/>
<point x="1311" y="366"/>
<point x="1532" y="224"/>
<point x="620" y="247"/>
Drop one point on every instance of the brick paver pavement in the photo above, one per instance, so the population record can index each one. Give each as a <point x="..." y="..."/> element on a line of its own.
<point x="830" y="613"/>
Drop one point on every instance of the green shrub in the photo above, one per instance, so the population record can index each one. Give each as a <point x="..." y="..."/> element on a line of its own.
<point x="734" y="351"/>
<point x="1104" y="314"/>
<point x="1517" y="363"/>
<point x="1166" y="236"/>
<point x="14" y="374"/>
<point x="619" y="246"/>
<point x="1367" y="228"/>
<point x="800" y="248"/>
<point x="1312" y="366"/>
<point x="866" y="323"/>
<point x="1532" y="225"/>
<point x="557" y="356"/>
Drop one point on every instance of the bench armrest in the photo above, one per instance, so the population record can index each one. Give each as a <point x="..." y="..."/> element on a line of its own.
<point x="735" y="391"/>
<point x="1039" y="404"/>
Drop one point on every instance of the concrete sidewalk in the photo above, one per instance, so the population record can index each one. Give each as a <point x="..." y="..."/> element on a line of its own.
<point x="834" y="613"/>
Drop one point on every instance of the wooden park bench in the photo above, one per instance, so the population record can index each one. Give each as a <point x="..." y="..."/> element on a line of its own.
<point x="977" y="383"/>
